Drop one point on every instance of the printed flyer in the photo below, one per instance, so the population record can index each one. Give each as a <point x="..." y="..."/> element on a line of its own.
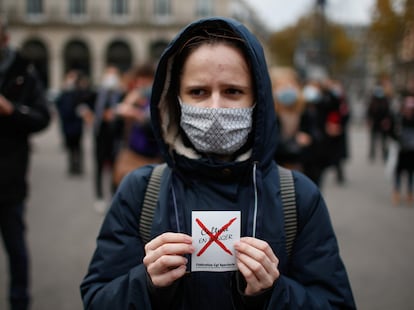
<point x="214" y="234"/>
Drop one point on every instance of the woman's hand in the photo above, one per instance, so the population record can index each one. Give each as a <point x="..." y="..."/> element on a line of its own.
<point x="164" y="258"/>
<point x="257" y="263"/>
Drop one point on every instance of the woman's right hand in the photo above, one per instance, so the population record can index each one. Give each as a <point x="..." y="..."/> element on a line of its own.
<point x="164" y="257"/>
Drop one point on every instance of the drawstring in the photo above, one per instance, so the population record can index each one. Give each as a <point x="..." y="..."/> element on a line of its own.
<point x="255" y="200"/>
<point x="175" y="207"/>
<point x="255" y="203"/>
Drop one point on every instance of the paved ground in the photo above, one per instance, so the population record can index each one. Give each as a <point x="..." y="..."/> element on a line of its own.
<point x="375" y="238"/>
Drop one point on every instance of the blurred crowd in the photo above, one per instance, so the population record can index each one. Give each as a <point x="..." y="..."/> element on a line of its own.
<point x="390" y="119"/>
<point x="117" y="111"/>
<point x="313" y="116"/>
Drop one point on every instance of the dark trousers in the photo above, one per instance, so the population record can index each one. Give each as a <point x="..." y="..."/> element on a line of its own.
<point x="375" y="135"/>
<point x="13" y="232"/>
<point x="104" y="155"/>
<point x="75" y="154"/>
<point x="405" y="165"/>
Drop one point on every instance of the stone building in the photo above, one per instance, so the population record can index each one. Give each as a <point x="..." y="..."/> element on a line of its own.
<point x="88" y="34"/>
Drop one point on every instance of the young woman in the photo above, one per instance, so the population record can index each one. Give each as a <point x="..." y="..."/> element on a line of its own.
<point x="212" y="113"/>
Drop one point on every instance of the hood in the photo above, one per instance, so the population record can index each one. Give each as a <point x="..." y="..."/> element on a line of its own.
<point x="165" y="111"/>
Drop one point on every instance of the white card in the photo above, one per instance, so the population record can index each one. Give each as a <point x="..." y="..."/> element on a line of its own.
<point x="214" y="234"/>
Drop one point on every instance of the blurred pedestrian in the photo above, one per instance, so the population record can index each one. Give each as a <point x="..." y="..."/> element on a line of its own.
<point x="74" y="105"/>
<point x="315" y="157"/>
<point x="139" y="145"/>
<point x="324" y="118"/>
<point x="213" y="116"/>
<point x="293" y="137"/>
<point x="379" y="117"/>
<point x="23" y="111"/>
<point x="404" y="134"/>
<point x="340" y="112"/>
<point x="106" y="132"/>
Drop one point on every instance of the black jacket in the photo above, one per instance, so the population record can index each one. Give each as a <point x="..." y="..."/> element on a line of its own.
<point x="21" y="86"/>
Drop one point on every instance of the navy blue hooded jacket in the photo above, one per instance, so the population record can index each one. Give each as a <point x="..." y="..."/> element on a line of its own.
<point x="313" y="277"/>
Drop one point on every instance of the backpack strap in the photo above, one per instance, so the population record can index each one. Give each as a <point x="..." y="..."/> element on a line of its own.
<point x="150" y="202"/>
<point x="287" y="188"/>
<point x="287" y="192"/>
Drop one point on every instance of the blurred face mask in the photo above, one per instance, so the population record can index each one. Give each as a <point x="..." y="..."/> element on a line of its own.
<point x="379" y="92"/>
<point x="311" y="94"/>
<point x="286" y="96"/>
<point x="110" y="81"/>
<point x="219" y="131"/>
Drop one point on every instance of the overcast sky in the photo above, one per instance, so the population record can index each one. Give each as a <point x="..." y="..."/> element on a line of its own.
<point x="278" y="14"/>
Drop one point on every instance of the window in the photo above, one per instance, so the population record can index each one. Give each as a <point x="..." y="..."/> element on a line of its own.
<point x="77" y="7"/>
<point x="119" y="54"/>
<point x="34" y="7"/>
<point x="204" y="8"/>
<point x="162" y="8"/>
<point x="119" y="7"/>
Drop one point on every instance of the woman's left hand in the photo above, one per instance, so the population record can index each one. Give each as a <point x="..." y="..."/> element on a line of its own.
<point x="257" y="263"/>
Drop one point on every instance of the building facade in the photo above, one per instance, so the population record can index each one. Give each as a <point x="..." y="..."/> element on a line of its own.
<point x="89" y="34"/>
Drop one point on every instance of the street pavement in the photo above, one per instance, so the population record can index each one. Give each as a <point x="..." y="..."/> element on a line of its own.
<point x="374" y="237"/>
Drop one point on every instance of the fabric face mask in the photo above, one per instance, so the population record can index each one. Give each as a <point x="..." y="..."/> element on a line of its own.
<point x="287" y="96"/>
<point x="110" y="81"/>
<point x="219" y="131"/>
<point x="311" y="94"/>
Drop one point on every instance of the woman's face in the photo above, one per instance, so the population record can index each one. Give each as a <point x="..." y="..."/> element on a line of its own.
<point x="216" y="76"/>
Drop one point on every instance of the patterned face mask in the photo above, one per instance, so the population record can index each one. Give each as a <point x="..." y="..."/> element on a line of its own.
<point x="219" y="131"/>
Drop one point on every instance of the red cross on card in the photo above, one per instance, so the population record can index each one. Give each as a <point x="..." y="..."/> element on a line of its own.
<point x="214" y="234"/>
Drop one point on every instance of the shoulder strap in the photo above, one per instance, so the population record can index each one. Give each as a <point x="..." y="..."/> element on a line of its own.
<point x="287" y="190"/>
<point x="150" y="202"/>
<point x="288" y="196"/>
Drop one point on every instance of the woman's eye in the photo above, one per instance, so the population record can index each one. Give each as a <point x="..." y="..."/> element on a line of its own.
<point x="233" y="91"/>
<point x="197" y="92"/>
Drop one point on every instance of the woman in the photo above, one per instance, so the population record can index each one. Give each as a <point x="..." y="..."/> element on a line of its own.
<point x="212" y="113"/>
<point x="139" y="147"/>
<point x="293" y="136"/>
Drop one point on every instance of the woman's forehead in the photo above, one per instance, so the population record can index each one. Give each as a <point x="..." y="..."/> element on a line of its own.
<point x="219" y="58"/>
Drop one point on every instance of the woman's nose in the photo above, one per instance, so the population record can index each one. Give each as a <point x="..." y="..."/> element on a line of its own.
<point x="215" y="100"/>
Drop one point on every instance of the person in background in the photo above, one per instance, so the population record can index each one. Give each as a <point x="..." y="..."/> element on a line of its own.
<point x="315" y="157"/>
<point x="23" y="111"/>
<point x="379" y="117"/>
<point x="289" y="106"/>
<point x="74" y="104"/>
<point x="140" y="147"/>
<point x="404" y="134"/>
<point x="337" y="126"/>
<point x="106" y="131"/>
<point x="213" y="116"/>
<point x="326" y="124"/>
